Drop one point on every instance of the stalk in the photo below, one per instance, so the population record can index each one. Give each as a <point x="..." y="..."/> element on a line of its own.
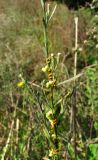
<point x="55" y="127"/>
<point x="74" y="96"/>
<point x="45" y="24"/>
<point x="51" y="83"/>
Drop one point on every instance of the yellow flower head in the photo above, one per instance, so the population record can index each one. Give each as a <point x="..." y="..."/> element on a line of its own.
<point x="49" y="84"/>
<point x="45" y="69"/>
<point x="21" y="84"/>
<point x="53" y="152"/>
<point x="53" y="123"/>
<point x="49" y="115"/>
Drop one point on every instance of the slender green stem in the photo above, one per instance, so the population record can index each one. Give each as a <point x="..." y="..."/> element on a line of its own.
<point x="46" y="39"/>
<point x="55" y="126"/>
<point x="45" y="23"/>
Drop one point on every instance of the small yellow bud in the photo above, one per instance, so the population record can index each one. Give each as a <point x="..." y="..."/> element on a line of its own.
<point x="45" y="69"/>
<point x="49" y="115"/>
<point x="53" y="152"/>
<point x="53" y="123"/>
<point x="21" y="84"/>
<point x="49" y="84"/>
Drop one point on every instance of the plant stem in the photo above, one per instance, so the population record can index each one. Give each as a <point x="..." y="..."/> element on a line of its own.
<point x="74" y="90"/>
<point x="7" y="142"/>
<point x="45" y="23"/>
<point x="55" y="126"/>
<point x="46" y="40"/>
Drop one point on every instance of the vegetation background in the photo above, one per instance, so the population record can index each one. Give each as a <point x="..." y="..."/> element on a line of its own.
<point x="22" y="52"/>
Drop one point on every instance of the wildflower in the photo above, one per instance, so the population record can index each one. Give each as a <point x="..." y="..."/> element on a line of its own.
<point x="49" y="115"/>
<point x="48" y="60"/>
<point x="21" y="84"/>
<point x="53" y="123"/>
<point x="49" y="84"/>
<point x="53" y="152"/>
<point x="45" y="69"/>
<point x="54" y="83"/>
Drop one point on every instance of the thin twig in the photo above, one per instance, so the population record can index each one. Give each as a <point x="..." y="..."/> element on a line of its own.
<point x="54" y="9"/>
<point x="7" y="142"/>
<point x="68" y="80"/>
<point x="71" y="79"/>
<point x="17" y="130"/>
<point x="77" y="76"/>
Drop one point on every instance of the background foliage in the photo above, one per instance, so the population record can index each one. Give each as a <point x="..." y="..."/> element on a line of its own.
<point x="22" y="51"/>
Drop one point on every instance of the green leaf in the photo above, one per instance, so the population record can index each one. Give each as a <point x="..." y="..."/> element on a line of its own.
<point x="94" y="150"/>
<point x="71" y="150"/>
<point x="46" y="133"/>
<point x="78" y="158"/>
<point x="96" y="126"/>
